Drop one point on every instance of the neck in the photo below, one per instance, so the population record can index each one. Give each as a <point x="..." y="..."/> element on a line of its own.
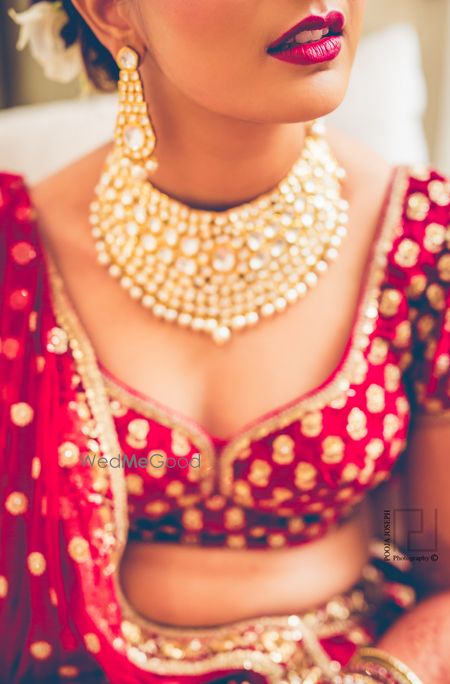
<point x="210" y="161"/>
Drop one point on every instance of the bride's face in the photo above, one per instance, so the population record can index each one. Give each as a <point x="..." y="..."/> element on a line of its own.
<point x="215" y="52"/>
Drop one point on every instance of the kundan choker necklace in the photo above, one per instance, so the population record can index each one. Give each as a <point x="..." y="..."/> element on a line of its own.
<point x="217" y="272"/>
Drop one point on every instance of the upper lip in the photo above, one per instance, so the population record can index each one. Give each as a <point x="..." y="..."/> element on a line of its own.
<point x="333" y="20"/>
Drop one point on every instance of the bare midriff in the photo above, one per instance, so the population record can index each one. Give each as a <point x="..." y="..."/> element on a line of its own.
<point x="199" y="586"/>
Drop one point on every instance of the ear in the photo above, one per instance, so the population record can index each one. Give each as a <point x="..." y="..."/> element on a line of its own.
<point x="112" y="22"/>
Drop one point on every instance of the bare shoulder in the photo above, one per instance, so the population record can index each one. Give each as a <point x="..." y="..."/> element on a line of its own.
<point x="368" y="174"/>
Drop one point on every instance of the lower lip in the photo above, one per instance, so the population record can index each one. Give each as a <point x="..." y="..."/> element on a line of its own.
<point x="323" y="50"/>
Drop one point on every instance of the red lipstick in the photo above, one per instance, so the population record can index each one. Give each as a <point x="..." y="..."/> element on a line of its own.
<point x="319" y="49"/>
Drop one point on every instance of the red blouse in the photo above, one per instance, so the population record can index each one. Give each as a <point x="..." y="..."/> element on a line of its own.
<point x="286" y="477"/>
<point x="283" y="479"/>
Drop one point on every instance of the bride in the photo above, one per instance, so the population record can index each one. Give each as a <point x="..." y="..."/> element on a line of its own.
<point x="220" y="332"/>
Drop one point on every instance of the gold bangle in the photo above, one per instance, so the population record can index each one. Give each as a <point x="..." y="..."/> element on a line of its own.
<point x="382" y="666"/>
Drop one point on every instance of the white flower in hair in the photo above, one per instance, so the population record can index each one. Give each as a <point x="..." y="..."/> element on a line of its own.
<point x="40" y="26"/>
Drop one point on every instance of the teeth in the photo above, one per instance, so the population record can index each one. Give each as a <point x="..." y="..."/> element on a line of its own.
<point x="310" y="36"/>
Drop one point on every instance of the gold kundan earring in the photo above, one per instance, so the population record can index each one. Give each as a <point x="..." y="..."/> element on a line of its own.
<point x="216" y="272"/>
<point x="134" y="131"/>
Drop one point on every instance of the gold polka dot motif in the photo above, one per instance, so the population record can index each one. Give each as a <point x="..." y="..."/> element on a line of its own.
<point x="375" y="448"/>
<point x="276" y="540"/>
<point x="283" y="449"/>
<point x="391" y="425"/>
<point x="16" y="503"/>
<point x="236" y="541"/>
<point x="416" y="286"/>
<point x="179" y="443"/>
<point x="390" y="302"/>
<point x="68" y="454"/>
<point x="68" y="671"/>
<point x="332" y="449"/>
<point x="418" y="206"/>
<point x="243" y="493"/>
<point x="434" y="237"/>
<point x="78" y="549"/>
<point x="407" y="253"/>
<point x="392" y="377"/>
<point x="157" y="463"/>
<point x="157" y="508"/>
<point x="442" y="365"/>
<point x="192" y="519"/>
<point x="436" y="295"/>
<point x="41" y="650"/>
<point x="21" y="413"/>
<point x="296" y="525"/>
<point x="92" y="642"/>
<point x="138" y="430"/>
<point x="260" y="472"/>
<point x="424" y="326"/>
<point x="305" y="476"/>
<point x="311" y="424"/>
<point x="378" y="352"/>
<point x="135" y="484"/>
<point x="375" y="398"/>
<point x="350" y="472"/>
<point x="439" y="192"/>
<point x="36" y="563"/>
<point x="35" y="467"/>
<point x="357" y="424"/>
<point x="3" y="586"/>
<point x="444" y="268"/>
<point x="234" y="518"/>
<point x="175" y="488"/>
<point x="402" y="335"/>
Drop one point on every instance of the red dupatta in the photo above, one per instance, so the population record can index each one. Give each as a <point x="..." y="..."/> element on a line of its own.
<point x="62" y="525"/>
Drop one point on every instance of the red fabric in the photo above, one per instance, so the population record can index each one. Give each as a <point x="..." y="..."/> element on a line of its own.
<point x="59" y="612"/>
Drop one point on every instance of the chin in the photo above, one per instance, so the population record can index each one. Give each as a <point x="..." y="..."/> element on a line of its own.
<point x="318" y="96"/>
<point x="318" y="104"/>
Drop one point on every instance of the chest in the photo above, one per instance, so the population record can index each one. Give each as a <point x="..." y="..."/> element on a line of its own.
<point x="220" y="388"/>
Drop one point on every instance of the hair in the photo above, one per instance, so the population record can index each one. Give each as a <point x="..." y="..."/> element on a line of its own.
<point x="100" y="66"/>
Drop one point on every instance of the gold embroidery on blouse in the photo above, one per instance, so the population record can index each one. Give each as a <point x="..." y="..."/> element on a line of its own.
<point x="443" y="265"/>
<point x="407" y="253"/>
<point x="351" y="364"/>
<point x="179" y="443"/>
<point x="434" y="237"/>
<point x="439" y="192"/>
<point x="418" y="206"/>
<point x="390" y="302"/>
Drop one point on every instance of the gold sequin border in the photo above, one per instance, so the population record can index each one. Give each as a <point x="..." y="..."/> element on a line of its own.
<point x="340" y="382"/>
